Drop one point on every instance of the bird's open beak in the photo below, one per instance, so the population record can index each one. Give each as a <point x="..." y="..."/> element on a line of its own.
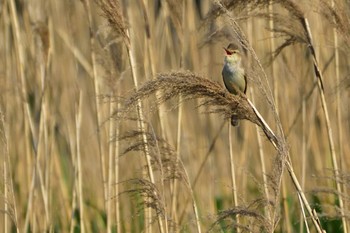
<point x="227" y="51"/>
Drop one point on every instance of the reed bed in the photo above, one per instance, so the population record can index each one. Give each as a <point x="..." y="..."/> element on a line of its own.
<point x="114" y="116"/>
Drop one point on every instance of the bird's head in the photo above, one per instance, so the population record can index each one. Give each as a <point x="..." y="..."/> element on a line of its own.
<point x="233" y="54"/>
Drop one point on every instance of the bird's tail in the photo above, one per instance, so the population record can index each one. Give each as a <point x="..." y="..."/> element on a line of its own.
<point x="234" y="121"/>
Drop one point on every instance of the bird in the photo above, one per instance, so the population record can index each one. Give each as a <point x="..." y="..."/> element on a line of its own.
<point x="233" y="74"/>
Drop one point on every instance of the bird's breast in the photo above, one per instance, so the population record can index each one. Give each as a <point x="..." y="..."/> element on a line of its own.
<point x="233" y="78"/>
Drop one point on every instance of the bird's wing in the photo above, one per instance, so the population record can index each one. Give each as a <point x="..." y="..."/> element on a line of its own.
<point x="246" y="83"/>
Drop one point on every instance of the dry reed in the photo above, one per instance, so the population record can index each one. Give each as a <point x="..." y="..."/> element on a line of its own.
<point x="69" y="164"/>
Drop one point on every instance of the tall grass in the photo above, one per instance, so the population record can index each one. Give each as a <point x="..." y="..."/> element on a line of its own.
<point x="113" y="113"/>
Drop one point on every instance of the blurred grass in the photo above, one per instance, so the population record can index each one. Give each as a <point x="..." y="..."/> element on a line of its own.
<point x="57" y="67"/>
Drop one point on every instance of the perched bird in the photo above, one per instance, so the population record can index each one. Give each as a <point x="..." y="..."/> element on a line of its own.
<point x="233" y="74"/>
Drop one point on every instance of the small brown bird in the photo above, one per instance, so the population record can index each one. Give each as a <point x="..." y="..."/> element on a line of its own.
<point x="233" y="74"/>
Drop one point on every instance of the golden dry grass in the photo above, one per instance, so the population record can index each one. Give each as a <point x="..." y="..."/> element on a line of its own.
<point x="114" y="116"/>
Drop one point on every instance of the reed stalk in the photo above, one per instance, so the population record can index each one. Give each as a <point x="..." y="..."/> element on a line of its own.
<point x="179" y="143"/>
<point x="98" y="108"/>
<point x="111" y="157"/>
<point x="20" y="58"/>
<point x="260" y="145"/>
<point x="116" y="176"/>
<point x="262" y="161"/>
<point x="141" y="123"/>
<point x="233" y="175"/>
<point x="339" y="120"/>
<point x="6" y="208"/>
<point x="320" y="86"/>
<point x="78" y="122"/>
<point x="10" y="206"/>
<point x="303" y="166"/>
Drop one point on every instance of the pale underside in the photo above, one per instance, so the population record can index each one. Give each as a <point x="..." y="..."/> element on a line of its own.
<point x="233" y="77"/>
